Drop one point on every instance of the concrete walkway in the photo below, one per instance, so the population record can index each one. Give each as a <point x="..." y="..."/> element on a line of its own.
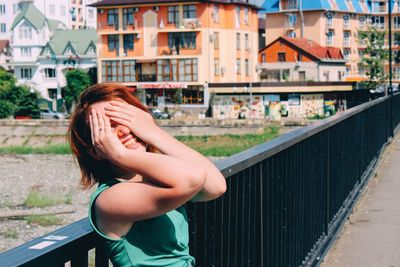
<point x="371" y="237"/>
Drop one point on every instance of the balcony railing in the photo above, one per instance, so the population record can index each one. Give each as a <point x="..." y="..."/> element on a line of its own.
<point x="379" y="9"/>
<point x="286" y="199"/>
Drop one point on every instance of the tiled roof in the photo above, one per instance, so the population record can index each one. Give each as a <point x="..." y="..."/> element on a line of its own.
<point x="137" y="2"/>
<point x="79" y="40"/>
<point x="312" y="48"/>
<point x="315" y="49"/>
<point x="31" y="14"/>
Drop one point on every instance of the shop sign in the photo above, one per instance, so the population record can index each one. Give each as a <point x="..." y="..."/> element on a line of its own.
<point x="162" y="85"/>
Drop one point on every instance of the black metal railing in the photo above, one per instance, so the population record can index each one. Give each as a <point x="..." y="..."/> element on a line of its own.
<point x="285" y="202"/>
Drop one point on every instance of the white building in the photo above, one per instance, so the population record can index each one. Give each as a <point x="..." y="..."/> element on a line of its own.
<point x="43" y="50"/>
<point x="9" y="9"/>
<point x="68" y="49"/>
<point x="82" y="15"/>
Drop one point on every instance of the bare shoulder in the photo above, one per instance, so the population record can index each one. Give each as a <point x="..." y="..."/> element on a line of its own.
<point x="135" y="201"/>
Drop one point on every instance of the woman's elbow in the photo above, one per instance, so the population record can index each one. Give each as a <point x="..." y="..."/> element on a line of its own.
<point x="196" y="180"/>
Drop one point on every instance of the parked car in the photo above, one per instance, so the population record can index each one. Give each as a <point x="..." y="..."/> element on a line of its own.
<point x="160" y="115"/>
<point x="49" y="114"/>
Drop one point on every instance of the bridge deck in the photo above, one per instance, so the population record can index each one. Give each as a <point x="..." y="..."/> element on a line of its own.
<point x="371" y="237"/>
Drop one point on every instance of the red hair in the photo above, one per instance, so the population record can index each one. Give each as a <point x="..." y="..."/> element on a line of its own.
<point x="94" y="169"/>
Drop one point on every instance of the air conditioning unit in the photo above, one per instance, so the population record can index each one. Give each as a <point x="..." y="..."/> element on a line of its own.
<point x="100" y="11"/>
<point x="135" y="9"/>
<point x="156" y="8"/>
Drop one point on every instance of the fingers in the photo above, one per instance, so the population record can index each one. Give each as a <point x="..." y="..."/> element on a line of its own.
<point x="122" y="107"/>
<point x="101" y="123"/>
<point x="117" y="114"/>
<point x="95" y="130"/>
<point x="91" y="128"/>
<point x="107" y="125"/>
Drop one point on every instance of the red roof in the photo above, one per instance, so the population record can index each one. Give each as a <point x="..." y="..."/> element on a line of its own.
<point x="3" y="44"/>
<point x="314" y="49"/>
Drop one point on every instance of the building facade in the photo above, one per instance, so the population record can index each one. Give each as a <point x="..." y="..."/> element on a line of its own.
<point x="296" y="59"/>
<point x="83" y="16"/>
<point x="43" y="49"/>
<point x="171" y="50"/>
<point x="9" y="9"/>
<point x="333" y="23"/>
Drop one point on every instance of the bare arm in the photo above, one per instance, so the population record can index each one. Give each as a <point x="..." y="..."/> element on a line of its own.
<point x="215" y="184"/>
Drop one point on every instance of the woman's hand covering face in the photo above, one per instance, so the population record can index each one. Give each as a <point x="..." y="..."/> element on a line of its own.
<point x="138" y="121"/>
<point x="105" y="142"/>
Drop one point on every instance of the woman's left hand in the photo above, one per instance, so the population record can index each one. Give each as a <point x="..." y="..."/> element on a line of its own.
<point x="138" y="121"/>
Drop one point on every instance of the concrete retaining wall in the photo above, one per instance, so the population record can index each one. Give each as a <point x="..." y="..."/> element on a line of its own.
<point x="40" y="132"/>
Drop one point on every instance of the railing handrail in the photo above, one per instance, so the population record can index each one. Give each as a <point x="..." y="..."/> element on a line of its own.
<point x="249" y="157"/>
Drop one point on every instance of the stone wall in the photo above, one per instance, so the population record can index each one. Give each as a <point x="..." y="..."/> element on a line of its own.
<point x="40" y="132"/>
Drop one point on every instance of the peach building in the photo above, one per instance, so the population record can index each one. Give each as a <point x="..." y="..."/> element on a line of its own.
<point x="333" y="23"/>
<point x="172" y="50"/>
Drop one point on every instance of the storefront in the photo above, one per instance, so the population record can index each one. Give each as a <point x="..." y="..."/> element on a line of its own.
<point x="162" y="94"/>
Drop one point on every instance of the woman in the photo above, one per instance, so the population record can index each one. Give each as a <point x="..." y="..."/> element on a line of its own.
<point x="144" y="177"/>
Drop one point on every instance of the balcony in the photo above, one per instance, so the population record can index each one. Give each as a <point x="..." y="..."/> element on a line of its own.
<point x="346" y="43"/>
<point x="379" y="9"/>
<point x="146" y="77"/>
<point x="187" y="25"/>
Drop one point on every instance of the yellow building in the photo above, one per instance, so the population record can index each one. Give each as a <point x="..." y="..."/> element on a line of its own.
<point x="172" y="50"/>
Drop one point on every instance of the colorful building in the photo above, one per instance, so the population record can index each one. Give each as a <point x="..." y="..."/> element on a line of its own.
<point x="296" y="59"/>
<point x="172" y="50"/>
<point x="333" y="23"/>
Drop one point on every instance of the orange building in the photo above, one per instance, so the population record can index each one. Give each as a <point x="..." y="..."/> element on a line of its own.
<point x="171" y="50"/>
<point x="297" y="59"/>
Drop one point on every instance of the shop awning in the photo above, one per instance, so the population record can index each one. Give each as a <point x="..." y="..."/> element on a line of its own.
<point x="162" y="85"/>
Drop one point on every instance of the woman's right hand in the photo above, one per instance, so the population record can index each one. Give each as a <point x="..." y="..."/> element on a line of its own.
<point x="139" y="122"/>
<point x="105" y="142"/>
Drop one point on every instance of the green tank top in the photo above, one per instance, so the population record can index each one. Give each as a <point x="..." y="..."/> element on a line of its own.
<point x="159" y="241"/>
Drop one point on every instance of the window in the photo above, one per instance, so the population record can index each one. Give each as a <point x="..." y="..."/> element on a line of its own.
<point x="238" y="70"/>
<point x="396" y="73"/>
<point x="215" y="14"/>
<point x="2" y="9"/>
<point x="237" y="41"/>
<point x="237" y="17"/>
<point x="183" y="70"/>
<point x="302" y="76"/>
<point x="281" y="57"/>
<point x="26" y="73"/>
<point x="396" y="38"/>
<point x="329" y="20"/>
<point x="129" y="40"/>
<point x="25" y="32"/>
<point x="339" y="75"/>
<point x="127" y="17"/>
<point x="292" y="4"/>
<point x="329" y="38"/>
<point x="52" y="9"/>
<point x="346" y="54"/>
<point x="185" y="40"/>
<point x="346" y="39"/>
<point x="294" y="100"/>
<point x="15" y="8"/>
<point x="49" y="73"/>
<point x="113" y="71"/>
<point x="91" y="13"/>
<point x="246" y="16"/>
<point x="192" y="95"/>
<point x="73" y="14"/>
<point x="3" y="27"/>
<point x="263" y="58"/>
<point x="63" y="11"/>
<point x="113" y="43"/>
<point x="246" y="41"/>
<point x="173" y="14"/>
<point x="216" y="67"/>
<point x="396" y="22"/>
<point x="291" y="20"/>
<point x="246" y="67"/>
<point x="347" y="71"/>
<point x="189" y="12"/>
<point x="346" y="21"/>
<point x="216" y="40"/>
<point x="361" y="23"/>
<point x="378" y="22"/>
<point x="112" y="17"/>
<point x="26" y="52"/>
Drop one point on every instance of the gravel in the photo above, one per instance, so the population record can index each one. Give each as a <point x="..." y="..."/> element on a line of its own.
<point x="52" y="175"/>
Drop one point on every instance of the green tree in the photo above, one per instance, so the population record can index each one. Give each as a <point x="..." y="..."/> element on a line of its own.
<point x="77" y="81"/>
<point x="374" y="58"/>
<point x="27" y="103"/>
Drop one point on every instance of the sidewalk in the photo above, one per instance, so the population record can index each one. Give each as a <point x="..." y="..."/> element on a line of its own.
<point x="371" y="237"/>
